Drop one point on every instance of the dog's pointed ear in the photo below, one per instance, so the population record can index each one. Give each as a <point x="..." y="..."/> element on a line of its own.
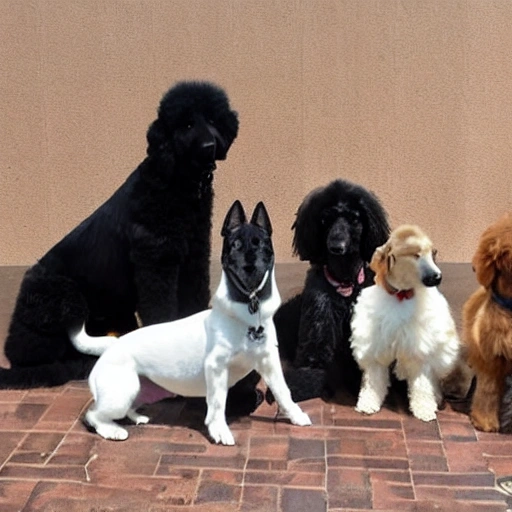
<point x="261" y="218"/>
<point x="234" y="218"/>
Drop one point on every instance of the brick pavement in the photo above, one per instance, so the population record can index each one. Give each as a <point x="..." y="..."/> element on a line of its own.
<point x="344" y="462"/>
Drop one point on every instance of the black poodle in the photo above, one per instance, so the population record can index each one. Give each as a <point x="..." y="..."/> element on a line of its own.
<point x="146" y="250"/>
<point x="337" y="229"/>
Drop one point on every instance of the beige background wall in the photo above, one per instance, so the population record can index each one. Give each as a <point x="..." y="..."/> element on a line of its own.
<point x="410" y="98"/>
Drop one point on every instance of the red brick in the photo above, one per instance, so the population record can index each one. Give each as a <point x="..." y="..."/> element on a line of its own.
<point x="285" y="478"/>
<point x="48" y="472"/>
<point x="454" y="479"/>
<point x="387" y="494"/>
<point x="457" y="431"/>
<point x="368" y="462"/>
<point x="22" y="416"/>
<point x="349" y="488"/>
<point x="465" y="457"/>
<point x="379" y="443"/>
<point x="260" y="499"/>
<point x="416" y="429"/>
<point x="264" y="464"/>
<point x="303" y="500"/>
<point x="8" y="443"/>
<point x="213" y="491"/>
<point x="305" y="448"/>
<point x="275" y="447"/>
<point x="14" y="494"/>
<point x="194" y="461"/>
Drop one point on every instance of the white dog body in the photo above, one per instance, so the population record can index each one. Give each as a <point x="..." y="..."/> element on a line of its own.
<point x="203" y="354"/>
<point x="415" y="330"/>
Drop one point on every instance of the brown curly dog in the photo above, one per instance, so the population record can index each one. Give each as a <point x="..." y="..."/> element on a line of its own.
<point x="487" y="327"/>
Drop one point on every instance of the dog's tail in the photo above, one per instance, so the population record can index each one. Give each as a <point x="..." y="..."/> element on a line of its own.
<point x="90" y="345"/>
<point x="46" y="375"/>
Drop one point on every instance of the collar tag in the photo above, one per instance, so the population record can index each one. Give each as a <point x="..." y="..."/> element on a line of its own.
<point x="256" y="335"/>
<point x="254" y="304"/>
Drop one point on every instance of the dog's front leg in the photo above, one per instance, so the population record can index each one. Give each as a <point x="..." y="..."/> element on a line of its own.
<point x="374" y="388"/>
<point x="269" y="367"/>
<point x="423" y="394"/>
<point x="216" y="374"/>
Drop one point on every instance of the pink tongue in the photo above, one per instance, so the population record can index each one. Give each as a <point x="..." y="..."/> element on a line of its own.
<point x="345" y="291"/>
<point x="360" y="276"/>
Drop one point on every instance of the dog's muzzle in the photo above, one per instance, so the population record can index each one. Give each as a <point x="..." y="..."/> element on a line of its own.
<point x="432" y="279"/>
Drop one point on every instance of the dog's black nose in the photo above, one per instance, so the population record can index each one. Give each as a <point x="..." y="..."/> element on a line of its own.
<point x="249" y="269"/>
<point x="338" y="249"/>
<point x="433" y="279"/>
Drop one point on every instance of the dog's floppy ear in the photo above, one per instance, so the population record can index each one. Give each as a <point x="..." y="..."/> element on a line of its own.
<point x="229" y="132"/>
<point x="261" y="219"/>
<point x="485" y="261"/>
<point x="493" y="255"/>
<point x="234" y="218"/>
<point x="382" y="262"/>
<point x="308" y="243"/>
<point x="156" y="137"/>
<point x="375" y="228"/>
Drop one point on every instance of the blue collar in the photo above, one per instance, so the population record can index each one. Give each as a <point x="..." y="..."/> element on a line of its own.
<point x="502" y="301"/>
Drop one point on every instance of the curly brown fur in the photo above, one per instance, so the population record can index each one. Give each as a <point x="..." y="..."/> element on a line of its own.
<point x="487" y="328"/>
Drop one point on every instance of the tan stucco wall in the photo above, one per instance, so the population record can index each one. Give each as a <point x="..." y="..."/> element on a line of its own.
<point x="410" y="98"/>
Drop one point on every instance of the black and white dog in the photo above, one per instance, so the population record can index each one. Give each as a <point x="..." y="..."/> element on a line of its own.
<point x="206" y="353"/>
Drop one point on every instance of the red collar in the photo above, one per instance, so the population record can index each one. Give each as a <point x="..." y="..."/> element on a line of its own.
<point x="399" y="294"/>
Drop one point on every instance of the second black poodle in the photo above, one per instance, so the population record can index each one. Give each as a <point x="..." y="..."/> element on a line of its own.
<point x="145" y="250"/>
<point x="337" y="229"/>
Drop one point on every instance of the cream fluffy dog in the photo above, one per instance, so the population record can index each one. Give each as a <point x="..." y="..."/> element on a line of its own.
<point x="404" y="318"/>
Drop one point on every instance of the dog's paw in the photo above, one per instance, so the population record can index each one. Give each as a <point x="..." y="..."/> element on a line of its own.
<point x="138" y="419"/>
<point x="220" y="433"/>
<point x="483" y="423"/>
<point x="367" y="404"/>
<point x="296" y="416"/>
<point x="107" y="430"/>
<point x="113" y="432"/>
<point x="424" y="412"/>
<point x="300" y="418"/>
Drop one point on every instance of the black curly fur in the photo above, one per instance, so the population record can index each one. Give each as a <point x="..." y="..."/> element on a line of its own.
<point x="338" y="227"/>
<point x="146" y="249"/>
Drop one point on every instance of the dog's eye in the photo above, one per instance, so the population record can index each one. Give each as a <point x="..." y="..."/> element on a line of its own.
<point x="417" y="256"/>
<point x="237" y="244"/>
<point x="434" y="254"/>
<point x="255" y="241"/>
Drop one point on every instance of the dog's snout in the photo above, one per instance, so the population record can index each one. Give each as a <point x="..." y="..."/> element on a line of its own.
<point x="433" y="279"/>
<point x="249" y="269"/>
<point x="338" y="249"/>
